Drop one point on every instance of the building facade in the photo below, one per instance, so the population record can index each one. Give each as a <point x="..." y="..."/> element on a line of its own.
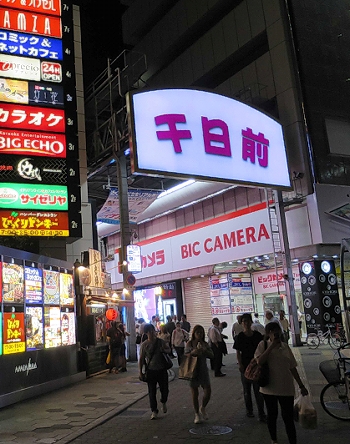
<point x="267" y="54"/>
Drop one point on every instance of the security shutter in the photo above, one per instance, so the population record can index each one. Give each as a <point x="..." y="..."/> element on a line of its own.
<point x="197" y="302"/>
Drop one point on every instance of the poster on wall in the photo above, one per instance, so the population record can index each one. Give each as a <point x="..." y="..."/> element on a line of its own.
<point x="241" y="293"/>
<point x="145" y="303"/>
<point x="219" y="295"/>
<point x="66" y="289"/>
<point x="12" y="283"/>
<point x="51" y="281"/>
<point x="52" y="316"/>
<point x="34" y="328"/>
<point x="14" y="333"/>
<point x="33" y="279"/>
<point x="68" y="328"/>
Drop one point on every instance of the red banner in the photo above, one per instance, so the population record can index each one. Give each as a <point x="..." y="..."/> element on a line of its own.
<point x="32" y="118"/>
<point x="33" y="223"/>
<point x="14" y="333"/>
<point x="30" y="23"/>
<point x="49" y="7"/>
<point x="32" y="144"/>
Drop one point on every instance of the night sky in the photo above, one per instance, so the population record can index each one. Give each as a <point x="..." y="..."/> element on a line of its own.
<point x="101" y="35"/>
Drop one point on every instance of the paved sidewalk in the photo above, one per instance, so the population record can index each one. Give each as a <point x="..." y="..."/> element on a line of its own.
<point x="110" y="408"/>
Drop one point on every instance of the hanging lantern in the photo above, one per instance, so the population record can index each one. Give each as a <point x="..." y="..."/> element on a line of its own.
<point x="111" y="314"/>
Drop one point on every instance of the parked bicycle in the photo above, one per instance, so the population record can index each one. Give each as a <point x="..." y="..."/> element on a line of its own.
<point x="335" y="396"/>
<point x="334" y="338"/>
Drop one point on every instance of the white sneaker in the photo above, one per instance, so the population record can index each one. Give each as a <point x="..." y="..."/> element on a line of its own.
<point x="164" y="407"/>
<point x="203" y="413"/>
<point x="154" y="415"/>
<point x="197" y="419"/>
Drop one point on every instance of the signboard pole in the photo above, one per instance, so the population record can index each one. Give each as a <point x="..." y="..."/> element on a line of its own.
<point x="287" y="268"/>
<point x="125" y="235"/>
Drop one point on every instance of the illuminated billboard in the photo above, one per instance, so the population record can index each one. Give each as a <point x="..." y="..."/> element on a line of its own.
<point x="33" y="197"/>
<point x="19" y="67"/>
<point x="38" y="120"/>
<point x="32" y="144"/>
<point x="34" y="223"/>
<point x="12" y="283"/>
<point x="16" y="43"/>
<point x="13" y="333"/>
<point x="50" y="7"/>
<point x="14" y="91"/>
<point x="30" y="22"/>
<point x="33" y="281"/>
<point x="197" y="134"/>
<point x="33" y="169"/>
<point x="32" y="118"/>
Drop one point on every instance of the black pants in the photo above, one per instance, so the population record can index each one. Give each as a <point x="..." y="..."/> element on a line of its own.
<point x="180" y="352"/>
<point x="217" y="361"/>
<point x="160" y="377"/>
<point x="247" y="392"/>
<point x="286" y="403"/>
<point x="114" y="362"/>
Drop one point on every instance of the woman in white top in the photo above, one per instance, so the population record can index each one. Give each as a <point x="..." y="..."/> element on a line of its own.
<point x="178" y="339"/>
<point x="280" y="389"/>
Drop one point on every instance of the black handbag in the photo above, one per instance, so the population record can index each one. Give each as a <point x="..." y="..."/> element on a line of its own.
<point x="167" y="361"/>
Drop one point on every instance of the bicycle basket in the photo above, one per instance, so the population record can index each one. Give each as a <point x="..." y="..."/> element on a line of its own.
<point x="330" y="370"/>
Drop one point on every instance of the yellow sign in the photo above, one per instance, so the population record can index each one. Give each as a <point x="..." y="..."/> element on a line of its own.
<point x="14" y="91"/>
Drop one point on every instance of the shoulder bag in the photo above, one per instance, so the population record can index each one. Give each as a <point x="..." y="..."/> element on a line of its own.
<point x="168" y="363"/>
<point x="188" y="367"/>
<point x="258" y="373"/>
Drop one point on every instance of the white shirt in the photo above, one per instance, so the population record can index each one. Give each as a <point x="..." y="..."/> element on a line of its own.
<point x="257" y="326"/>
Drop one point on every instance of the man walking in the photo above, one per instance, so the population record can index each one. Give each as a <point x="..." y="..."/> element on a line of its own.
<point x="215" y="337"/>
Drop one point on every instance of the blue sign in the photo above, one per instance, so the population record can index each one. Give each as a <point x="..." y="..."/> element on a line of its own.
<point x="28" y="45"/>
<point x="33" y="278"/>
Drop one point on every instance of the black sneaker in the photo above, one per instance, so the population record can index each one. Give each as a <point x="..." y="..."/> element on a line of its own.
<point x="250" y="415"/>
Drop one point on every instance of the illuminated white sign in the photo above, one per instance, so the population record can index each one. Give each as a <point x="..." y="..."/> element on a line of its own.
<point x="133" y="254"/>
<point x="189" y="133"/>
<point x="19" y="67"/>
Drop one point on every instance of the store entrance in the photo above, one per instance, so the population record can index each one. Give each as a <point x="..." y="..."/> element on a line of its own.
<point x="273" y="302"/>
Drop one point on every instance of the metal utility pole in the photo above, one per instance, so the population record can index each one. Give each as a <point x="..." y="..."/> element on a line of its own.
<point x="287" y="268"/>
<point x="125" y="236"/>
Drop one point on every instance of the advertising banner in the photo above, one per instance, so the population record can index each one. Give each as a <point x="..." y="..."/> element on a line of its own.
<point x="269" y="282"/>
<point x="14" y="333"/>
<point x="50" y="7"/>
<point x="33" y="280"/>
<point x="14" y="91"/>
<point x="33" y="223"/>
<point x="197" y="134"/>
<point x="138" y="201"/>
<point x="19" y="67"/>
<point x="52" y="316"/>
<point x="32" y="118"/>
<point x="34" y="328"/>
<point x="95" y="266"/>
<point x="66" y="289"/>
<point x="51" y="287"/>
<point x="30" y="23"/>
<point x="32" y="170"/>
<point x="32" y="144"/>
<point x="33" y="197"/>
<point x="51" y="72"/>
<point x="46" y="95"/>
<point x="68" y="328"/>
<point x="16" y="43"/>
<point x="320" y="295"/>
<point x="12" y="283"/>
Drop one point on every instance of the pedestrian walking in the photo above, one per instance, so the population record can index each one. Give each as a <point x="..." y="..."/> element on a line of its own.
<point x="257" y="325"/>
<point x="170" y="327"/>
<point x="280" y="389"/>
<point x="197" y="346"/>
<point x="214" y="339"/>
<point x="245" y="344"/>
<point x="179" y="339"/>
<point x="114" y="340"/>
<point x="122" y="359"/>
<point x="285" y="326"/>
<point x="185" y="324"/>
<point x="151" y="356"/>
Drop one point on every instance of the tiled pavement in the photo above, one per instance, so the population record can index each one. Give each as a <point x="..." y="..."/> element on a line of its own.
<point x="111" y="408"/>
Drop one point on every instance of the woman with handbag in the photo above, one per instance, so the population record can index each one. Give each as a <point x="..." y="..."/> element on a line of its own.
<point x="280" y="388"/>
<point x="199" y="348"/>
<point x="152" y="359"/>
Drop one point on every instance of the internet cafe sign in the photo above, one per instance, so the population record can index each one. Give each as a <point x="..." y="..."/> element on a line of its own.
<point x="188" y="133"/>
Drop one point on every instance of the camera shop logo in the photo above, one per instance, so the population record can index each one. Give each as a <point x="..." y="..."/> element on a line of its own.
<point x="26" y="368"/>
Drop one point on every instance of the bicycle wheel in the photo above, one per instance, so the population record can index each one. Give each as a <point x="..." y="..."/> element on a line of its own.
<point x="335" y="401"/>
<point x="312" y="340"/>
<point x="335" y="340"/>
